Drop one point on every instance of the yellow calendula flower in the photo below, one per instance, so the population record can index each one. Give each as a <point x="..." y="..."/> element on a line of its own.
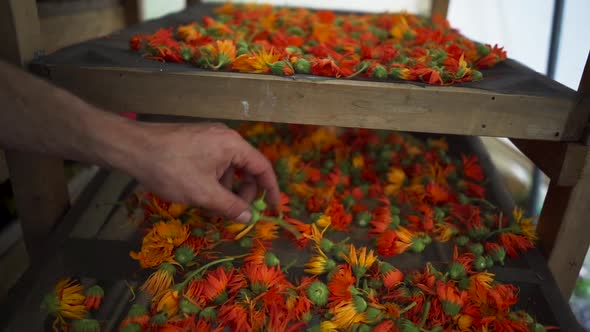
<point x="235" y="227"/>
<point x="173" y="232"/>
<point x="328" y="326"/>
<point x="360" y="263"/>
<point x="319" y="264"/>
<point x="395" y="179"/>
<point x="167" y="301"/>
<point x="527" y="228"/>
<point x="358" y="161"/>
<point x="347" y="313"/>
<point x="464" y="322"/>
<point x="66" y="301"/>
<point x="323" y="221"/>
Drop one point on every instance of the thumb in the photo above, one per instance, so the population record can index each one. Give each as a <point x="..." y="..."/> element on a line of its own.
<point x="223" y="202"/>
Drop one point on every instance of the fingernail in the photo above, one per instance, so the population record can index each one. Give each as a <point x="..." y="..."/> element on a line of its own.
<point x="244" y="217"/>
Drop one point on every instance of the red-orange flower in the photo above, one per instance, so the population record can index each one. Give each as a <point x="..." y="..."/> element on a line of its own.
<point x="325" y="67"/>
<point x="451" y="297"/>
<point x="471" y="168"/>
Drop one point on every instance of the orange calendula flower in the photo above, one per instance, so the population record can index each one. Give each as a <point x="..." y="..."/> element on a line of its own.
<point x="472" y="169"/>
<point x="66" y="301"/>
<point x="444" y="231"/>
<point x="395" y="180"/>
<point x="360" y="262"/>
<point x="166" y="302"/>
<point x="257" y="62"/>
<point x="513" y="242"/>
<point x="224" y="53"/>
<point x="160" y="280"/>
<point x="266" y="230"/>
<point x="158" y="245"/>
<point x="451" y="297"/>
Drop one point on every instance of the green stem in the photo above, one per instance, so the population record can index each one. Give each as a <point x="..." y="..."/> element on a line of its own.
<point x="408" y="308"/>
<point x="486" y="202"/>
<point x="500" y="229"/>
<point x="203" y="268"/>
<point x="364" y="66"/>
<point x="290" y="265"/>
<point x="425" y="314"/>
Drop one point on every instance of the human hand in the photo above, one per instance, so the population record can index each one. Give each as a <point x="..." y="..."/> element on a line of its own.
<point x="195" y="163"/>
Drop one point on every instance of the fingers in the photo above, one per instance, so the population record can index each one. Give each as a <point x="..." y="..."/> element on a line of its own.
<point x="223" y="202"/>
<point x="254" y="162"/>
<point x="248" y="189"/>
<point x="227" y="179"/>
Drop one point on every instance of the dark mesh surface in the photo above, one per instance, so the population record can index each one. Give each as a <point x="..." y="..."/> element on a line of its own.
<point x="509" y="77"/>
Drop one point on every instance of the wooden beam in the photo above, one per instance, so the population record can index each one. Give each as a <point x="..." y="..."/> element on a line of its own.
<point x="132" y="11"/>
<point x="439" y="7"/>
<point x="192" y="2"/>
<point x="563" y="227"/>
<point x="318" y="101"/>
<point x="38" y="182"/>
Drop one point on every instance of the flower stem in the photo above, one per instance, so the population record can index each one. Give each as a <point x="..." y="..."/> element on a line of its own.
<point x="204" y="268"/>
<point x="408" y="308"/>
<point x="290" y="265"/>
<point x="425" y="314"/>
<point x="364" y="66"/>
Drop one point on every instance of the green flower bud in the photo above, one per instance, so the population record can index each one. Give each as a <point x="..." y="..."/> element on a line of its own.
<point x="326" y="245"/>
<point x="242" y="50"/>
<point x="363" y="218"/>
<point x="184" y="254"/>
<point x="271" y="259"/>
<point x="318" y="292"/>
<point x="208" y="314"/>
<point x="476" y="75"/>
<point x="220" y="299"/>
<point x="159" y="319"/>
<point x="360" y="305"/>
<point x="483" y="50"/>
<point x="302" y="66"/>
<point x="379" y="72"/>
<point x="417" y="245"/>
<point x="188" y="307"/>
<point x="464" y="283"/>
<point x="293" y="50"/>
<point x="499" y="255"/>
<point x="451" y="308"/>
<point x="373" y="314"/>
<point x="457" y="271"/>
<point x="479" y="263"/>
<point x="295" y="30"/>
<point x="259" y="204"/>
<point x="489" y="262"/>
<point x="197" y="232"/>
<point x="461" y="240"/>
<point x="364" y="328"/>
<point x="476" y="249"/>
<point x="186" y="53"/>
<point x="427" y="239"/>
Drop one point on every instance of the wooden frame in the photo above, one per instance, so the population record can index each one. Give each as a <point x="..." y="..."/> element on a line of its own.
<point x="562" y="226"/>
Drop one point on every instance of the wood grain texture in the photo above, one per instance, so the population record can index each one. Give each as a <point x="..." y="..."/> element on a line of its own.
<point x="564" y="230"/>
<point x="63" y="30"/>
<point x="38" y="182"/>
<point x="39" y="186"/>
<point x="440" y="7"/>
<point x="362" y="104"/>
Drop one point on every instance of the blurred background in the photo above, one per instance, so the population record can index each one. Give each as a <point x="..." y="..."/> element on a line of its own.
<point x="549" y="36"/>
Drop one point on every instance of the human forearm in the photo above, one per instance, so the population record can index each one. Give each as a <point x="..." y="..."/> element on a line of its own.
<point x="39" y="117"/>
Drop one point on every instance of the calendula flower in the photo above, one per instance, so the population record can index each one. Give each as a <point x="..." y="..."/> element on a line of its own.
<point x="223" y="53"/>
<point x="513" y="242"/>
<point x="359" y="263"/>
<point x="347" y="313"/>
<point x="471" y="168"/>
<point x="323" y="221"/>
<point x="392" y="278"/>
<point x="66" y="301"/>
<point x="444" y="231"/>
<point x="328" y="326"/>
<point x="525" y="225"/>
<point x="173" y="232"/>
<point x="94" y="296"/>
<point x="340" y="219"/>
<point x="159" y="280"/>
<point x="452" y="299"/>
<point x="167" y="302"/>
<point x="266" y="230"/>
<point x="257" y="62"/>
<point x="318" y="293"/>
<point x="395" y="180"/>
<point x="340" y="284"/>
<point x="319" y="264"/>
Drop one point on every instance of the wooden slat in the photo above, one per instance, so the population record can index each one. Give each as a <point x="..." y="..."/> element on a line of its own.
<point x="318" y="101"/>
<point x="566" y="239"/>
<point x="101" y="206"/>
<point x="132" y="11"/>
<point x="38" y="182"/>
<point x="439" y="7"/>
